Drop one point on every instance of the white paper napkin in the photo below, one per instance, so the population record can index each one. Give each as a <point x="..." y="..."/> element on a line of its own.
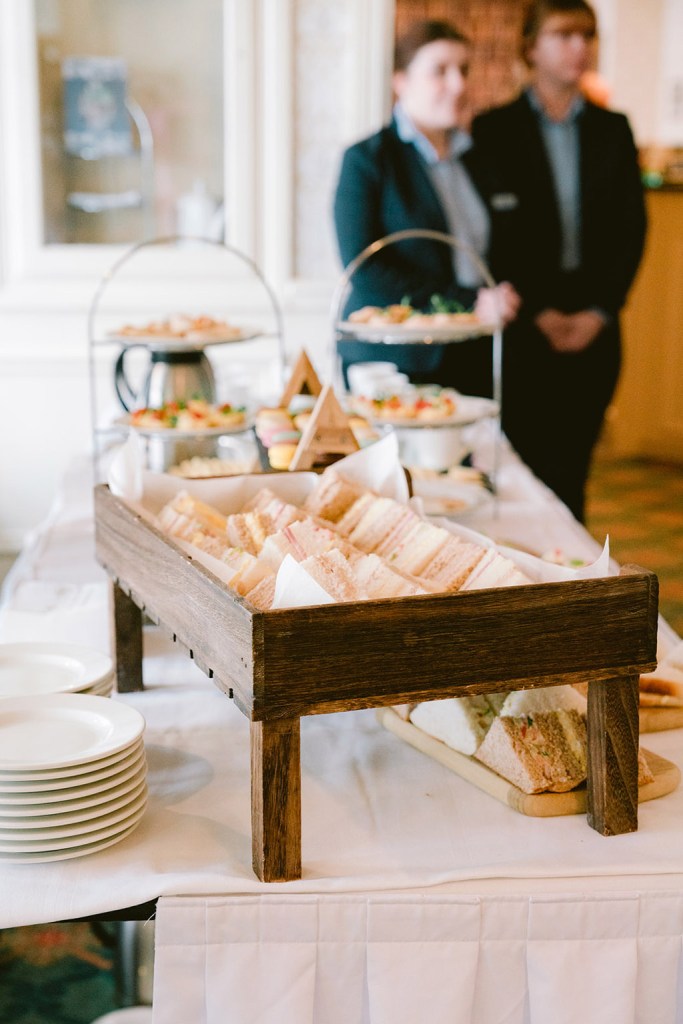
<point x="294" y="588"/>
<point x="125" y="472"/>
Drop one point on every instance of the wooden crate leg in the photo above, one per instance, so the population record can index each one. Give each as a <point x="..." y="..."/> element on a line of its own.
<point x="127" y="629"/>
<point x="276" y="800"/>
<point x="613" y="755"/>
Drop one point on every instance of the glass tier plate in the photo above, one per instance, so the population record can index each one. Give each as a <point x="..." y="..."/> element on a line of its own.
<point x="171" y="344"/>
<point x="404" y="333"/>
<point x="470" y="409"/>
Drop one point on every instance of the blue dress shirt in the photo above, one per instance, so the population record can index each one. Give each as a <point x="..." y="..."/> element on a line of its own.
<point x="464" y="209"/>
<point x="563" y="147"/>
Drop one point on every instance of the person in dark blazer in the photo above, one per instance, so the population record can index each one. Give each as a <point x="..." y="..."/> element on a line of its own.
<point x="420" y="171"/>
<point x="570" y="168"/>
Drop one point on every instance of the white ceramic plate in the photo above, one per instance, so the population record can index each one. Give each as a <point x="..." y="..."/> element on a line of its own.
<point x="58" y="832"/>
<point x="64" y="729"/>
<point x="69" y="854"/>
<point x="36" y="668"/>
<point x="102" y="689"/>
<point x="65" y="789"/>
<point x="69" y="842"/>
<point x="402" y="333"/>
<point x="81" y="774"/>
<point x="13" y="812"/>
<point x="57" y="848"/>
<point x="455" y="501"/>
<point x="99" y="811"/>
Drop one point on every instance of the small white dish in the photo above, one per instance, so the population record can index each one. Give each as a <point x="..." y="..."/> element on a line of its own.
<point x="12" y="815"/>
<point x="92" y="771"/>
<point x="80" y="826"/>
<point x="28" y="669"/>
<point x="48" y="845"/>
<point x="55" y="790"/>
<point x="68" y="853"/>
<point x="64" y="729"/>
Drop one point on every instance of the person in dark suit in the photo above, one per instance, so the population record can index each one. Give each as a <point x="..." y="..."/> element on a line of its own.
<point x="571" y="170"/>
<point x="420" y="171"/>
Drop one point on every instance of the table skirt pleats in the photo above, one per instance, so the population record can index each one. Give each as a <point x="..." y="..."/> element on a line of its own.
<point x="401" y="959"/>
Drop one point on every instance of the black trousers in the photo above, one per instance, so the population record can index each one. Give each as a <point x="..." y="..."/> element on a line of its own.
<point x="554" y="405"/>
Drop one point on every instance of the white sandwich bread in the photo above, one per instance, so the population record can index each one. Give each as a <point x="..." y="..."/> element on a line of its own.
<point x="184" y="515"/>
<point x="494" y="570"/>
<point x="332" y="496"/>
<point x="379" y="547"/>
<point x="281" y="513"/>
<point x="544" y="751"/>
<point x="536" y="739"/>
<point x="519" y="703"/>
<point x="460" y="722"/>
<point x="333" y="573"/>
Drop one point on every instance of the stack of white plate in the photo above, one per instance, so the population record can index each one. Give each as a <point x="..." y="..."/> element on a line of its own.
<point x="39" y="668"/>
<point x="72" y="775"/>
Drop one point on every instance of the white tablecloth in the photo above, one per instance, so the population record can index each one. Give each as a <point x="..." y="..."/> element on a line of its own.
<point x="421" y="898"/>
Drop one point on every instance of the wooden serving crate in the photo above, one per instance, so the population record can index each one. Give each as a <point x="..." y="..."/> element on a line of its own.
<point x="283" y="664"/>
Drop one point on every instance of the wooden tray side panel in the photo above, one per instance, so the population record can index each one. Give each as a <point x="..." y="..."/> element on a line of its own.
<point x="337" y="657"/>
<point x="178" y="592"/>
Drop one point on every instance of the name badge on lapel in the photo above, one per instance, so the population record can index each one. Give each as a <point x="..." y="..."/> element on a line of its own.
<point x="503" y="201"/>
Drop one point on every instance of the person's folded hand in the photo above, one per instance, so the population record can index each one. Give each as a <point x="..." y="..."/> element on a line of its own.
<point x="570" y="332"/>
<point x="498" y="304"/>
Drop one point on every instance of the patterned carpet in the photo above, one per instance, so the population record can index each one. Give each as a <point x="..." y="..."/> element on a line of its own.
<point x="640" y="505"/>
<point x="57" y="974"/>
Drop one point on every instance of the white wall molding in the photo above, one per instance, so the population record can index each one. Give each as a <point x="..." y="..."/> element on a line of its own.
<point x="275" y="140"/>
<point x="373" y="54"/>
<point x="240" y="118"/>
<point x="21" y="192"/>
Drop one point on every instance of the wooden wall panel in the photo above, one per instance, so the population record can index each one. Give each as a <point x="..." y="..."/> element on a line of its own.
<point x="494" y="27"/>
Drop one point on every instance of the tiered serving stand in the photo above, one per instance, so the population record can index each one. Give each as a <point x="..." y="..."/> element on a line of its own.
<point x="183" y="443"/>
<point x="398" y="334"/>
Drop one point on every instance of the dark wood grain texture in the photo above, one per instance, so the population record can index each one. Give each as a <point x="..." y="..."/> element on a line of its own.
<point x="168" y="584"/>
<point x="127" y="641"/>
<point x="612" y="781"/>
<point x="276" y="800"/>
<point x="281" y="665"/>
<point x="344" y="656"/>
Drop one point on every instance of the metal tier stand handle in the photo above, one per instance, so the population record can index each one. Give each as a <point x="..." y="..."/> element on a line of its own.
<point x="170" y="240"/>
<point x="343" y="285"/>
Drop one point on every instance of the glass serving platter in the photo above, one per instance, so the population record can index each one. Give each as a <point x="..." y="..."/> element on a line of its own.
<point x="406" y="332"/>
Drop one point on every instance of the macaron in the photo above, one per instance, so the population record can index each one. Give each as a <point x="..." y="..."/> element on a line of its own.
<point x="281" y="455"/>
<point x="276" y="417"/>
<point x="301" y="420"/>
<point x="284" y="436"/>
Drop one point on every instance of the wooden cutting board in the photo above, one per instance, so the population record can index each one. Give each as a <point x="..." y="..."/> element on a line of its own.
<point x="538" y="805"/>
<point x="658" y="719"/>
